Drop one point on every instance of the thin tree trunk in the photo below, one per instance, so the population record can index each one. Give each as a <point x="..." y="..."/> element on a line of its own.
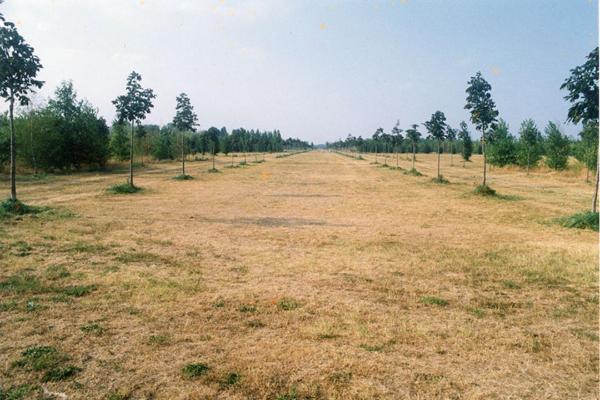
<point x="595" y="197"/>
<point x="484" y="159"/>
<point x="451" y="154"/>
<point x="375" y="153"/>
<point x="397" y="161"/>
<point x="32" y="150"/>
<point x="587" y="174"/>
<point x="528" y="161"/>
<point x="413" y="160"/>
<point x="438" y="160"/>
<point x="231" y="160"/>
<point x="131" y="156"/>
<point x="182" y="154"/>
<point x="13" y="153"/>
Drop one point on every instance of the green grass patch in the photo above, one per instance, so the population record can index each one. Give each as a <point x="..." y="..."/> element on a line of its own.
<point x="23" y="283"/>
<point x="92" y="328"/>
<point x="584" y="220"/>
<point x="287" y="304"/>
<point x="432" y="300"/>
<point x="55" y="272"/>
<point x="195" y="370"/>
<point x="413" y="172"/>
<point x="124" y="188"/>
<point x="40" y="358"/>
<point x="17" y="392"/>
<point x="60" y="373"/>
<point x="440" y="180"/>
<point x="231" y="379"/>
<point x="510" y="284"/>
<point x="247" y="308"/>
<point x="183" y="177"/>
<point x="9" y="208"/>
<point x="213" y="171"/>
<point x="159" y="340"/>
<point x="484" y="190"/>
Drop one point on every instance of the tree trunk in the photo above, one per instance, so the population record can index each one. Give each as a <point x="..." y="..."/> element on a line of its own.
<point x="438" y="160"/>
<point x="484" y="159"/>
<point x="231" y="160"/>
<point x="182" y="155"/>
<point x="451" y="154"/>
<point x="13" y="153"/>
<point x="397" y="161"/>
<point x="375" y="153"/>
<point x="131" y="156"/>
<point x="413" y="160"/>
<point x="528" y="161"/>
<point x="595" y="197"/>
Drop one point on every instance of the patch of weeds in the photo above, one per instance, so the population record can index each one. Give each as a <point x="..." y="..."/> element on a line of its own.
<point x="195" y="370"/>
<point x="159" y="340"/>
<point x="117" y="396"/>
<point x="61" y="298"/>
<point x="247" y="308"/>
<point x="22" y="283"/>
<point x="372" y="348"/>
<point x="60" y="373"/>
<point x="340" y="377"/>
<point x="21" y="248"/>
<point x="11" y="207"/>
<point x="124" y="188"/>
<point x="510" y="284"/>
<point x="440" y="180"/>
<point x="16" y="392"/>
<point x="39" y="358"/>
<point x="476" y="311"/>
<point x="183" y="177"/>
<point x="83" y="247"/>
<point x="429" y="378"/>
<point x="580" y="333"/>
<point x="287" y="304"/>
<point x="584" y="220"/>
<point x="33" y="305"/>
<point x="139" y="256"/>
<point x="213" y="171"/>
<point x="56" y="272"/>
<point x="231" y="379"/>
<point x="290" y="395"/>
<point x="78" y="291"/>
<point x="8" y="306"/>
<point x="484" y="190"/>
<point x="255" y="323"/>
<point x="219" y="303"/>
<point x="92" y="328"/>
<point x="413" y="172"/>
<point x="432" y="300"/>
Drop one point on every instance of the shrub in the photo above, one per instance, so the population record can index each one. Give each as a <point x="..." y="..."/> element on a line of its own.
<point x="195" y="370"/>
<point x="484" y="190"/>
<point x="584" y="220"/>
<point x="15" y="207"/>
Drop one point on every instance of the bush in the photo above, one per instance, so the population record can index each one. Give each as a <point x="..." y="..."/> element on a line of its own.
<point x="584" y="220"/>
<point x="123" y="188"/>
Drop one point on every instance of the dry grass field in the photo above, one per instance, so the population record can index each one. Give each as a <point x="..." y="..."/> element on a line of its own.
<point x="315" y="276"/>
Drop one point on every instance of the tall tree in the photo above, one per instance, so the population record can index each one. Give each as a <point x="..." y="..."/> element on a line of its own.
<point x="185" y="121"/>
<point x="19" y="67"/>
<point x="413" y="135"/>
<point x="483" y="110"/>
<point x="467" y="143"/>
<point x="133" y="107"/>
<point x="582" y="87"/>
<point x="530" y="140"/>
<point x="436" y="126"/>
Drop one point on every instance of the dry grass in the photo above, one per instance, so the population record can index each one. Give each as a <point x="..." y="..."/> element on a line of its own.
<point x="313" y="276"/>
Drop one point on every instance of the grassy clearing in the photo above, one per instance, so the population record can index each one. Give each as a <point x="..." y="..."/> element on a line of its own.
<point x="313" y="276"/>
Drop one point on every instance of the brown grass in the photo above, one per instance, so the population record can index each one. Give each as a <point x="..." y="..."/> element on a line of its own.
<point x="313" y="276"/>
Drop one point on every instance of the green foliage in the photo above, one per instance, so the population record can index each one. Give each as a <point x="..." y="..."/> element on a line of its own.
<point x="11" y="207"/>
<point x="60" y="373"/>
<point x="123" y="188"/>
<point x="557" y="147"/>
<point x="39" y="358"/>
<point x="195" y="370"/>
<point x="413" y="172"/>
<point x="92" y="328"/>
<point x="582" y="86"/>
<point x="466" y="142"/>
<point x="480" y="104"/>
<point x="530" y="145"/>
<point x="287" y="304"/>
<point x="136" y="103"/>
<point x="16" y="392"/>
<point x="586" y="149"/>
<point x="231" y="379"/>
<point x="182" y="177"/>
<point x="584" y="220"/>
<point x="440" y="180"/>
<point x="502" y="147"/>
<point x="436" y="126"/>
<point x="119" y="141"/>
<point x="185" y="119"/>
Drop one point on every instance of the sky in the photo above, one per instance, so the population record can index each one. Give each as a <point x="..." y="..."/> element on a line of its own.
<point x="314" y="69"/>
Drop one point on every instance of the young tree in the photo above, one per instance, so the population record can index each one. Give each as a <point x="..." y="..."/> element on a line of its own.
<point x="451" y="137"/>
<point x="397" y="139"/>
<point x="557" y="147"/>
<point x="19" y="67"/>
<point x="185" y="121"/>
<point x="587" y="148"/>
<point x="502" y="147"/>
<point x="436" y="127"/>
<point x="133" y="107"/>
<point x="467" y="143"/>
<point x="376" y="137"/>
<point x="413" y="135"/>
<point x="582" y="86"/>
<point x="483" y="111"/>
<point x="530" y="140"/>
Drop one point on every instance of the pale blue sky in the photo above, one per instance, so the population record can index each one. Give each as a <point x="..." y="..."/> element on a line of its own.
<point x="314" y="69"/>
